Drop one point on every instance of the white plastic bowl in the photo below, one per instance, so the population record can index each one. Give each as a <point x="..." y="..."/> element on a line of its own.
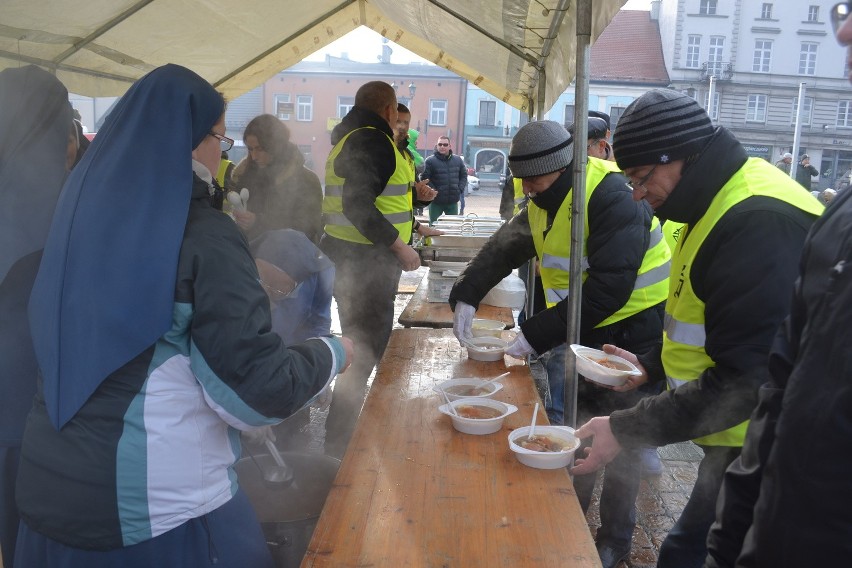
<point x="471" y="382"/>
<point x="588" y="366"/>
<point x="545" y="460"/>
<point x="478" y="426"/>
<point x="486" y="348"/>
<point x="487" y="328"/>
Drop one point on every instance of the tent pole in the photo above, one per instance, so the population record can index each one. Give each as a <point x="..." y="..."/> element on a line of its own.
<point x="578" y="209"/>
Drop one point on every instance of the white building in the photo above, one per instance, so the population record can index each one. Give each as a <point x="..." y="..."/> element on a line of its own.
<point x="760" y="52"/>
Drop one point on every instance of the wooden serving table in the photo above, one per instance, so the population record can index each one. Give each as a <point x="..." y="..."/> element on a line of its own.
<point x="419" y="312"/>
<point x="412" y="491"/>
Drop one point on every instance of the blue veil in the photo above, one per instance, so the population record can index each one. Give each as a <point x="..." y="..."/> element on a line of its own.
<point x="105" y="289"/>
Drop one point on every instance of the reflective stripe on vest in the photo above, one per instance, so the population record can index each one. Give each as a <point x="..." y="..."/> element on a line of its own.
<point x="518" y="185"/>
<point x="684" y="356"/>
<point x="394" y="202"/>
<point x="651" y="283"/>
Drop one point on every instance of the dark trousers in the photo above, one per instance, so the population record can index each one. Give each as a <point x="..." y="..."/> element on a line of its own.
<point x="686" y="544"/>
<point x="436" y="209"/>
<point x="229" y="537"/>
<point x="366" y="280"/>
<point x="9" y="459"/>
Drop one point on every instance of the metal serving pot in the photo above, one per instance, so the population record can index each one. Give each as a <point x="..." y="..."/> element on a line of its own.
<point x="288" y="513"/>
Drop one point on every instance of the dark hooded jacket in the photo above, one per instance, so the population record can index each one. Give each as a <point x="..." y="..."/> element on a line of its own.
<point x="447" y="175"/>
<point x="619" y="233"/>
<point x="283" y="195"/>
<point x="785" y="502"/>
<point x="366" y="161"/>
<point x="743" y="273"/>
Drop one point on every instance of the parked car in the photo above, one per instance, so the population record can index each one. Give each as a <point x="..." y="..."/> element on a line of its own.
<point x="472" y="184"/>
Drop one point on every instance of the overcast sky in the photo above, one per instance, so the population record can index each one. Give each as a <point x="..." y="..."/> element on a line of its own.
<point x="363" y="44"/>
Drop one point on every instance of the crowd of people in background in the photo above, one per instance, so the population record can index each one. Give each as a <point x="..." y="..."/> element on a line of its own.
<point x="715" y="273"/>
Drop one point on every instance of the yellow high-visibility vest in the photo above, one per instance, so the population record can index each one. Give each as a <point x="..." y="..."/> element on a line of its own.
<point x="394" y="202"/>
<point x="554" y="253"/>
<point x="684" y="356"/>
<point x="517" y="183"/>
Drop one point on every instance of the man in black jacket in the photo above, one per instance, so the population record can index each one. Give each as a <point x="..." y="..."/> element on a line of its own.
<point x="367" y="207"/>
<point x="447" y="174"/>
<point x="805" y="171"/>
<point x="617" y="304"/>
<point x="785" y="502"/>
<point x="745" y="224"/>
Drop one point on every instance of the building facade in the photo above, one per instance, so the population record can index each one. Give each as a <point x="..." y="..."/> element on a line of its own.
<point x="758" y="54"/>
<point x="626" y="61"/>
<point x="313" y="96"/>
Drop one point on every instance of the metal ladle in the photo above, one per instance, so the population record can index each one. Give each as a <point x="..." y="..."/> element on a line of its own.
<point x="281" y="473"/>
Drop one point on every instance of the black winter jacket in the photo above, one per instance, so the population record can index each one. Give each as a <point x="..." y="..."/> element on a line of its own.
<point x="804" y="175"/>
<point x="447" y="175"/>
<point x="785" y="502"/>
<point x="743" y="273"/>
<point x="619" y="233"/>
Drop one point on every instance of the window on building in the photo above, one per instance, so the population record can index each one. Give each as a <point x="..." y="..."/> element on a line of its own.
<point x="283" y="106"/>
<point x="437" y="112"/>
<point x="807" y="110"/>
<point x="707" y="7"/>
<point x="813" y="13"/>
<point x="766" y="11"/>
<point x="844" y="114"/>
<point x="756" y="108"/>
<point x="344" y="105"/>
<point x="569" y="115"/>
<point x="713" y="110"/>
<point x="487" y="113"/>
<point x="807" y="59"/>
<point x="305" y="108"/>
<point x="762" y="56"/>
<point x="615" y="113"/>
<point x="714" y="55"/>
<point x="693" y="51"/>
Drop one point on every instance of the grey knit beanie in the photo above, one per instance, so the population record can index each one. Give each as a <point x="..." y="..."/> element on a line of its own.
<point x="660" y="127"/>
<point x="540" y="148"/>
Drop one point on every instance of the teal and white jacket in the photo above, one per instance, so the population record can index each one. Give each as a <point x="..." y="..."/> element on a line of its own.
<point x="155" y="444"/>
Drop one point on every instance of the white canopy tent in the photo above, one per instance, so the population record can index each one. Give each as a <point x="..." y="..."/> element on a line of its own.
<point x="521" y="51"/>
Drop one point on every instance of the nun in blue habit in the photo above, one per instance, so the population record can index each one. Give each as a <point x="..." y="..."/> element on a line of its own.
<point x="152" y="332"/>
<point x="35" y="123"/>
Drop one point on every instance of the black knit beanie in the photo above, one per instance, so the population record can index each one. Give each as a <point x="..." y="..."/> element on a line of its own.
<point x="660" y="127"/>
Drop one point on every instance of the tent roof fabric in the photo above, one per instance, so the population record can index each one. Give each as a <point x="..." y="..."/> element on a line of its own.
<point x="102" y="46"/>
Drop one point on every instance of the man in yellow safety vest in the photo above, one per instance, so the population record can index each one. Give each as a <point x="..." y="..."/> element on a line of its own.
<point x="735" y="260"/>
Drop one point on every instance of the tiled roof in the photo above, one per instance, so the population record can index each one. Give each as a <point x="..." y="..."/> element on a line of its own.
<point x="629" y="51"/>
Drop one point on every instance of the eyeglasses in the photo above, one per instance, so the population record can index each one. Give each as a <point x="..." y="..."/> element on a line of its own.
<point x="442" y="144"/>
<point x="643" y="181"/>
<point x="839" y="13"/>
<point x="225" y="143"/>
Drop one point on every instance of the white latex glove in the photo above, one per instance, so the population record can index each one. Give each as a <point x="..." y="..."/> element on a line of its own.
<point x="463" y="321"/>
<point x="519" y="348"/>
<point x="259" y="435"/>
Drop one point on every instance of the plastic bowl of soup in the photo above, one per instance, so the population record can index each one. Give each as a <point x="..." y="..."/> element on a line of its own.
<point x="486" y="348"/>
<point x="603" y="368"/>
<point x="487" y="328"/>
<point x="551" y="448"/>
<point x="468" y="388"/>
<point x="478" y="416"/>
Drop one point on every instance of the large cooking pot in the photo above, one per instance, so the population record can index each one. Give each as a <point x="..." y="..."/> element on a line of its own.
<point x="288" y="513"/>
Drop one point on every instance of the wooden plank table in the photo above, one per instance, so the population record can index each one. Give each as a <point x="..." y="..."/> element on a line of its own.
<point x="419" y="312"/>
<point x="411" y="491"/>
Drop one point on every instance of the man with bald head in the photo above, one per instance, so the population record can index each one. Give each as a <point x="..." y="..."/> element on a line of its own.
<point x="368" y="216"/>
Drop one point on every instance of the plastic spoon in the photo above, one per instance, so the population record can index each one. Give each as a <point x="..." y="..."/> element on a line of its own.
<point x="489" y="381"/>
<point x="449" y="405"/>
<point x="532" y="424"/>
